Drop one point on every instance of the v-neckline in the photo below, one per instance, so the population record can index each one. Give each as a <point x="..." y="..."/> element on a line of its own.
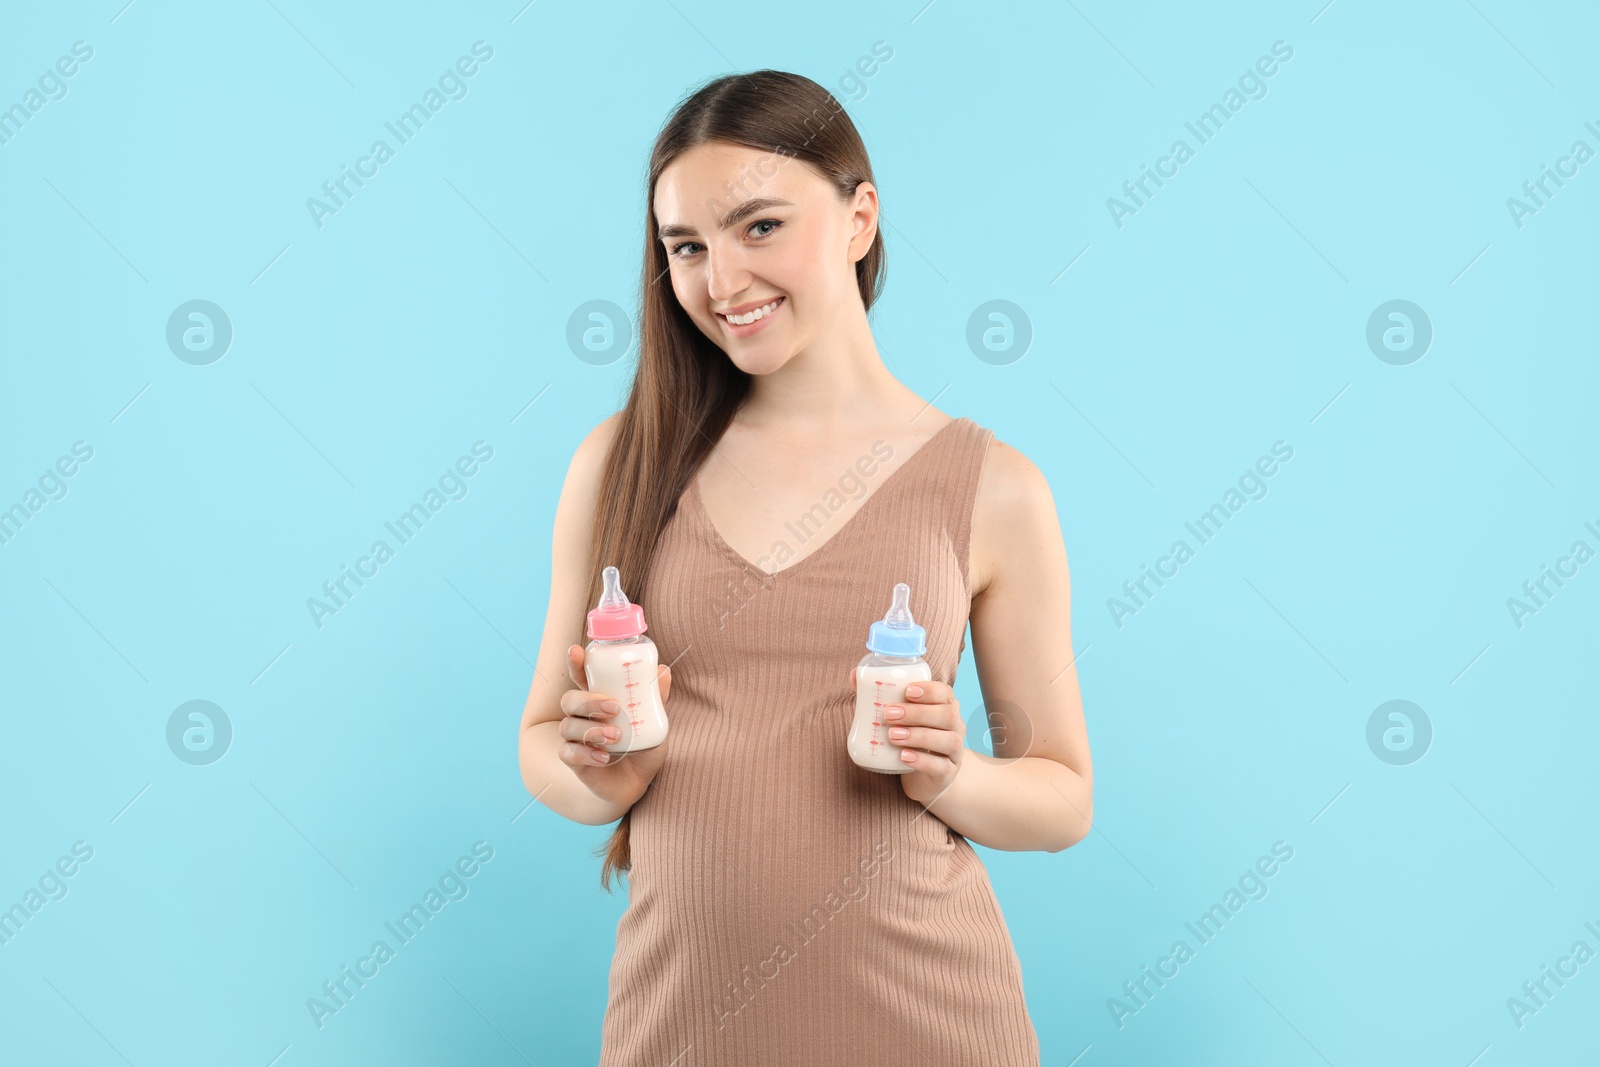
<point x="769" y="576"/>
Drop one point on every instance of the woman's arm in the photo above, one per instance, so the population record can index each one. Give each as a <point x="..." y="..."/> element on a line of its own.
<point x="1036" y="793"/>
<point x="550" y="780"/>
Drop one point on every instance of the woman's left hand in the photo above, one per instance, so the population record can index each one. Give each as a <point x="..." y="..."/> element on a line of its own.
<point x="929" y="727"/>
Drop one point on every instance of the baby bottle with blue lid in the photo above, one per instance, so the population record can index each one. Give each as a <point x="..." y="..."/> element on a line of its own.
<point x="893" y="661"/>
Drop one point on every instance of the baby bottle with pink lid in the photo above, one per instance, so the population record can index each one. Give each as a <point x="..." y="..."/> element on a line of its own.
<point x="621" y="663"/>
<point x="894" y="660"/>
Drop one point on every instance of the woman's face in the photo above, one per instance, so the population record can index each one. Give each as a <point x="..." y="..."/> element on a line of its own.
<point x="744" y="229"/>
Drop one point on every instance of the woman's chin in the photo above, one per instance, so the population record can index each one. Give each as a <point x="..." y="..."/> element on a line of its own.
<point x="762" y="362"/>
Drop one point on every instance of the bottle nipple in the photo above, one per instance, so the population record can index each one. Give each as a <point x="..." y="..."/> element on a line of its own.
<point x="614" y="618"/>
<point x="898" y="634"/>
<point x="899" y="614"/>
<point x="612" y="598"/>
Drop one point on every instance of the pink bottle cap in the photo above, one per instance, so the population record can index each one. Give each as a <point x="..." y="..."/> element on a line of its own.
<point x="615" y="618"/>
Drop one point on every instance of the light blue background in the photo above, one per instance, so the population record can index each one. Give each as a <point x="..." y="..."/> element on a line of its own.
<point x="368" y="355"/>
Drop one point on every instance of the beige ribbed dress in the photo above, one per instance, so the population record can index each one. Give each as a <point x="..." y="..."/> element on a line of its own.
<point x="785" y="906"/>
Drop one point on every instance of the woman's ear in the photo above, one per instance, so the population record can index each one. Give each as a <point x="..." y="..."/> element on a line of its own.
<point x="864" y="220"/>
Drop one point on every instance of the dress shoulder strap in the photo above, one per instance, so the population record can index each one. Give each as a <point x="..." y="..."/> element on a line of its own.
<point x="961" y="475"/>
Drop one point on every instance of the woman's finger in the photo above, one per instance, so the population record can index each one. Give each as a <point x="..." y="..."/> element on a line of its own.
<point x="931" y="692"/>
<point x="575" y="656"/>
<point x="936" y="767"/>
<point x="938" y="716"/>
<point x="579" y="756"/>
<point x="588" y="705"/>
<point x="588" y="731"/>
<point x="923" y="737"/>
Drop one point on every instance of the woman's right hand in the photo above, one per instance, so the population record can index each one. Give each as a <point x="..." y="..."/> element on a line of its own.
<point x="587" y="725"/>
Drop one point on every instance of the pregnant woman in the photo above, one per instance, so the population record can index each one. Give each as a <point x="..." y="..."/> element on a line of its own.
<point x="767" y="484"/>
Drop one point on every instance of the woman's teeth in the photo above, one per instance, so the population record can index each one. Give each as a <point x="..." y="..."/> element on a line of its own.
<point x="758" y="313"/>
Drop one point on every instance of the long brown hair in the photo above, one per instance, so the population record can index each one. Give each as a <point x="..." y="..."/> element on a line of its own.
<point x="685" y="389"/>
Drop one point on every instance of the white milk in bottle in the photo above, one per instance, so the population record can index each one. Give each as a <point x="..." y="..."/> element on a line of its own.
<point x="894" y="661"/>
<point x="621" y="662"/>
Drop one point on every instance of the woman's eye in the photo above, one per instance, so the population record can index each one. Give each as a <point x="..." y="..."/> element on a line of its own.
<point x="678" y="251"/>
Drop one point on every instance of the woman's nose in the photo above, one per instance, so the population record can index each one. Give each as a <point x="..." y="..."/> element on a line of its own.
<point x="726" y="274"/>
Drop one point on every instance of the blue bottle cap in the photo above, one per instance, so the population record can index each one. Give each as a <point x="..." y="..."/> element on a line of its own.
<point x="897" y="634"/>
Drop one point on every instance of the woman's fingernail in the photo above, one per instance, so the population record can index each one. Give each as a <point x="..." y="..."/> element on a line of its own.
<point x="893" y="713"/>
<point x="608" y="705"/>
<point x="612" y="733"/>
<point x="899" y="733"/>
<point x="908" y="755"/>
<point x="913" y="690"/>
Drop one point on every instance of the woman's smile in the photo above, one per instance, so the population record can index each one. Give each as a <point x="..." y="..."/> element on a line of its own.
<point x="749" y="317"/>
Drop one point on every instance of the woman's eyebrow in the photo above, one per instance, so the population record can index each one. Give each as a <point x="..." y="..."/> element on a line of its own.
<point x="749" y="207"/>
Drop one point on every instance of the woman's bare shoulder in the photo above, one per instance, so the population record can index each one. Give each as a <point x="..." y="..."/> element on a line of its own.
<point x="1013" y="501"/>
<point x="580" y="491"/>
<point x="588" y="462"/>
<point x="592" y="451"/>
